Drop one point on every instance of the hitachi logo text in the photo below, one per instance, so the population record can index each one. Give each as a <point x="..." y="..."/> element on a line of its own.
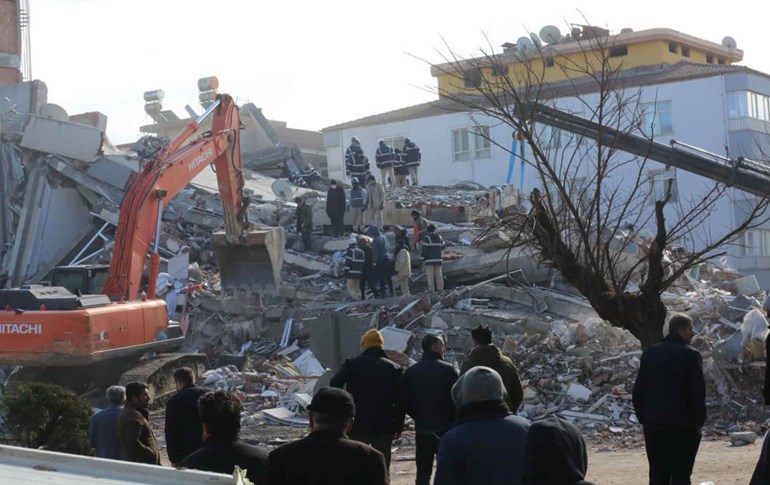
<point x="200" y="159"/>
<point x="21" y="328"/>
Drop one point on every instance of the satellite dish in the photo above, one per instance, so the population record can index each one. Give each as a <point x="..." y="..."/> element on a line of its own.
<point x="524" y="44"/>
<point x="536" y="40"/>
<point x="729" y="42"/>
<point x="550" y="34"/>
<point x="283" y="189"/>
<point x="54" y="112"/>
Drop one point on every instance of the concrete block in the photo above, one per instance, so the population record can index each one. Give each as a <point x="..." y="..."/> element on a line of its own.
<point x="747" y="285"/>
<point x="114" y="170"/>
<point x="25" y="99"/>
<point x="69" y="140"/>
<point x="305" y="263"/>
<point x="743" y="438"/>
<point x="578" y="392"/>
<point x="396" y="339"/>
<point x="93" y="118"/>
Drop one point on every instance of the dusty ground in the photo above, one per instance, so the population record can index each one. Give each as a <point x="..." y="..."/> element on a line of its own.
<point x="717" y="462"/>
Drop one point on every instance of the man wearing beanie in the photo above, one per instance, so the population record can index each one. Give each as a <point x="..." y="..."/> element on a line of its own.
<point x="554" y="452"/>
<point x="326" y="455"/>
<point x="374" y="381"/>
<point x="486" y="443"/>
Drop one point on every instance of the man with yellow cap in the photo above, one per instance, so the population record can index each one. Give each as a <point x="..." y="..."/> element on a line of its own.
<point x="374" y="381"/>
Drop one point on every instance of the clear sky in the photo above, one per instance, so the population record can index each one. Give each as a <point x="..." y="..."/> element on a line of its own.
<point x="315" y="63"/>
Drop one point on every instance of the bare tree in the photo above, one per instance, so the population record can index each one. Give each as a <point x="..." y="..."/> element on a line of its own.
<point x="595" y="203"/>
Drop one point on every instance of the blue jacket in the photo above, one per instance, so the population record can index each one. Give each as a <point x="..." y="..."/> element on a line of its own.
<point x="357" y="198"/>
<point x="432" y="245"/>
<point x="358" y="166"/>
<point x="103" y="432"/>
<point x="380" y="249"/>
<point x="483" y="450"/>
<point x="384" y="156"/>
<point x="413" y="155"/>
<point x="354" y="262"/>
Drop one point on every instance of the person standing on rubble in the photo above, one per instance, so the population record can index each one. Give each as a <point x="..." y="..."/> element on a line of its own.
<point x="419" y="227"/>
<point x="670" y="402"/>
<point x="137" y="442"/>
<point x="375" y="383"/>
<point x="357" y="205"/>
<point x="368" y="276"/>
<point x="354" y="267"/>
<point x="327" y="455"/>
<point x="103" y="428"/>
<point x="183" y="428"/>
<point x="305" y="223"/>
<point x="485" y="353"/>
<point x="355" y="145"/>
<point x="381" y="260"/>
<point x="486" y="443"/>
<point x="336" y="205"/>
<point x="384" y="158"/>
<point x="400" y="170"/>
<point x="222" y="450"/>
<point x="375" y="202"/>
<point x="402" y="260"/>
<point x="427" y="398"/>
<point x="432" y="247"/>
<point x="413" y="159"/>
<point x="359" y="165"/>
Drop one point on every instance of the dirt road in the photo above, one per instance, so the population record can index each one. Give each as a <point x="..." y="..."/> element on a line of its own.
<point x="717" y="462"/>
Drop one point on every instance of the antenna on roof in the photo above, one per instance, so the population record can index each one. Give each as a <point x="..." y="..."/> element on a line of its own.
<point x="550" y="34"/>
<point x="729" y="42"/>
<point x="524" y="43"/>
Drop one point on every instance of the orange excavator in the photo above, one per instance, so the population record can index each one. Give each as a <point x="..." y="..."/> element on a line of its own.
<point x="79" y="340"/>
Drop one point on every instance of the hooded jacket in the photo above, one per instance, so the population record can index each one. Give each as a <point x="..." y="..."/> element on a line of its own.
<point x="380" y="249"/>
<point x="486" y="444"/>
<point x="554" y="452"/>
<point x="490" y="356"/>
<point x="384" y="156"/>
<point x="413" y="154"/>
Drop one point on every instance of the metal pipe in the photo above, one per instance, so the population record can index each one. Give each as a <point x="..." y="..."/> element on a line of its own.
<point x="208" y="111"/>
<point x="88" y="244"/>
<point x="158" y="225"/>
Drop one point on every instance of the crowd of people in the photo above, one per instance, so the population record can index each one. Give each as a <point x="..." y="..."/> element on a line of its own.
<point x="398" y="167"/>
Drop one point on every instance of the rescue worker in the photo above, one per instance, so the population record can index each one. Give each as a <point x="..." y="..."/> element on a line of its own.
<point x="400" y="170"/>
<point x="375" y="382"/>
<point x="368" y="276"/>
<point x="357" y="205"/>
<point x="402" y="260"/>
<point x="375" y="202"/>
<point x="413" y="159"/>
<point x="384" y="158"/>
<point x="354" y="146"/>
<point x="354" y="267"/>
<point x="336" y="204"/>
<point x="420" y="226"/>
<point x="359" y="165"/>
<point x="305" y="223"/>
<point x="432" y="246"/>
<point x="381" y="260"/>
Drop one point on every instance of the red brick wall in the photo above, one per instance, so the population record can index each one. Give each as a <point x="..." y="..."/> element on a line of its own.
<point x="9" y="76"/>
<point x="8" y="24"/>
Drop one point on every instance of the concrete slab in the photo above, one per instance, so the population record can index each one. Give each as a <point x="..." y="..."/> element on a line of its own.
<point x="71" y="140"/>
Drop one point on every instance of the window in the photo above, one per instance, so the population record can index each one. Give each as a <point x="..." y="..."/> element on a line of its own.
<point x="482" y="144"/>
<point x="460" y="145"/>
<point x="549" y="62"/>
<point x="499" y="71"/>
<point x="395" y="142"/>
<point x="672" y="47"/>
<point x="755" y="243"/>
<point x="685" y="51"/>
<point x="741" y="104"/>
<point x="709" y="59"/>
<point x="619" y="51"/>
<point x="656" y="118"/>
<point x="472" y="78"/>
<point x="660" y="180"/>
<point x="737" y="105"/>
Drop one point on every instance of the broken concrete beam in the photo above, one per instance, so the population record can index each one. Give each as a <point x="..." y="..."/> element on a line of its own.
<point x="93" y="118"/>
<point x="115" y="170"/>
<point x="473" y="264"/>
<point x="69" y="140"/>
<point x="202" y="218"/>
<point x="305" y="263"/>
<point x="413" y="311"/>
<point x="337" y="244"/>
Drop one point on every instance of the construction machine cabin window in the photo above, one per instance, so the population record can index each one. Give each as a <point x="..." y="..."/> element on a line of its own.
<point x="656" y="118"/>
<point x="472" y="78"/>
<point x="461" y="151"/>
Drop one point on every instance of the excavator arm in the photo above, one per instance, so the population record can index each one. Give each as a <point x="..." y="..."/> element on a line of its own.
<point x="161" y="179"/>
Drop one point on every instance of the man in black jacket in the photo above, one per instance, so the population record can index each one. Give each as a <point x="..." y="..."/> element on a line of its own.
<point x="427" y="398"/>
<point x="184" y="430"/>
<point x="336" y="204"/>
<point x="222" y="450"/>
<point x="375" y="382"/>
<point x="670" y="403"/>
<point x="327" y="455"/>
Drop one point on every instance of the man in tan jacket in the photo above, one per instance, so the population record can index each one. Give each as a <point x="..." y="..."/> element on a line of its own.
<point x="403" y="260"/>
<point x="376" y="202"/>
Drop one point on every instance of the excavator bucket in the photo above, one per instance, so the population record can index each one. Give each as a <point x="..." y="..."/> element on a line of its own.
<point x="254" y="264"/>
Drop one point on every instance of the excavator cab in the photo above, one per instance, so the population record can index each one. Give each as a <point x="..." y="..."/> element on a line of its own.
<point x="253" y="264"/>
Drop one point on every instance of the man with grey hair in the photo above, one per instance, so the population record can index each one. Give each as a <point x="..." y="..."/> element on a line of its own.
<point x="670" y="402"/>
<point x="103" y="429"/>
<point x="486" y="443"/>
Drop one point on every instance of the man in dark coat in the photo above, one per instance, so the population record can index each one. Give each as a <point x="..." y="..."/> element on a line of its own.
<point x="137" y="443"/>
<point x="103" y="428"/>
<point x="336" y="204"/>
<point x="384" y="158"/>
<point x="326" y="455"/>
<point x="487" y="354"/>
<point x="486" y="444"/>
<point x="304" y="223"/>
<point x="554" y="452"/>
<point x="375" y="383"/>
<point x="222" y="450"/>
<point x="184" y="429"/>
<point x="427" y="398"/>
<point x="670" y="402"/>
<point x="413" y="159"/>
<point x="761" y="474"/>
